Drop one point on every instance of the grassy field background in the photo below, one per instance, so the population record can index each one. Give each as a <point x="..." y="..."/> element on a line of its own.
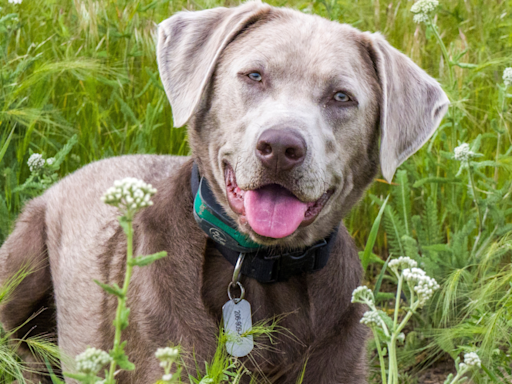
<point x="84" y="72"/>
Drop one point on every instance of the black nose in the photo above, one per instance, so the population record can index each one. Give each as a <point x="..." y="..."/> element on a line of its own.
<point x="281" y="149"/>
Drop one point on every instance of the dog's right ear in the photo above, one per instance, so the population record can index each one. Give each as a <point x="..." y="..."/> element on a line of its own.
<point x="189" y="45"/>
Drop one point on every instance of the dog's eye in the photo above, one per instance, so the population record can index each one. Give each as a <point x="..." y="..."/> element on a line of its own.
<point x="340" y="96"/>
<point x="254" y="76"/>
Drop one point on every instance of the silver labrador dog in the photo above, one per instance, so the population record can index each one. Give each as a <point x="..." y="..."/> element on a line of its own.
<point x="284" y="113"/>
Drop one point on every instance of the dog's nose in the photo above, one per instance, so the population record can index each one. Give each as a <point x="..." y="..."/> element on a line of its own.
<point x="281" y="149"/>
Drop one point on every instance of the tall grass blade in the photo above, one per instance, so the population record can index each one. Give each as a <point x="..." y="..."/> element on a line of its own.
<point x="365" y="260"/>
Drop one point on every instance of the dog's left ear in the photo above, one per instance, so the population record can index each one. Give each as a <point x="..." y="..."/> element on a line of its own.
<point x="189" y="45"/>
<point x="412" y="104"/>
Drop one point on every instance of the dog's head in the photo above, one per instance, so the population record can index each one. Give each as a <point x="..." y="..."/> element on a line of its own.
<point x="285" y="111"/>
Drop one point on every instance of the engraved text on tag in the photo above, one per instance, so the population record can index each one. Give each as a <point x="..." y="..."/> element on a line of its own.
<point x="237" y="321"/>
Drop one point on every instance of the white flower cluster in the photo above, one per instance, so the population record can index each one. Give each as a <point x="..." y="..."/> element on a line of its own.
<point x="423" y="285"/>
<point x="371" y="319"/>
<point x="362" y="294"/>
<point x="507" y="76"/>
<point x="35" y="162"/>
<point x="422" y="8"/>
<point x="471" y="359"/>
<point x="15" y="1"/>
<point x="403" y="262"/>
<point x="462" y="152"/>
<point x="166" y="354"/>
<point x="91" y="361"/>
<point x="129" y="195"/>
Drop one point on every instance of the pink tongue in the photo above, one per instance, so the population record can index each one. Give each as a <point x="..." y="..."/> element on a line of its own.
<point x="273" y="211"/>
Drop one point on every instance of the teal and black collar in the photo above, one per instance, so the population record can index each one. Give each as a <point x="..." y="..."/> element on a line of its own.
<point x="264" y="264"/>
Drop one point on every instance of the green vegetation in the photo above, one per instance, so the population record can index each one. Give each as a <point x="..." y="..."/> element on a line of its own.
<point x="79" y="82"/>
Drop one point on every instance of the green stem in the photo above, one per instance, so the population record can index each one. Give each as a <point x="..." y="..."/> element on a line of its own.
<point x="471" y="179"/>
<point x="381" y="357"/>
<point x="121" y="301"/>
<point x="451" y="108"/>
<point x="443" y="50"/>
<point x="397" y="301"/>
<point x="393" y="369"/>
<point x="458" y="376"/>
<point x="502" y="110"/>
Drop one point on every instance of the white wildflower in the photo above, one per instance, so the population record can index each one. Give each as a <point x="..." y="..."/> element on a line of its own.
<point x="91" y="361"/>
<point x="129" y="195"/>
<point x="168" y="353"/>
<point x="167" y="377"/>
<point x="401" y="337"/>
<point x="507" y="76"/>
<point x="371" y="319"/>
<point x="363" y="294"/>
<point x="15" y="1"/>
<point x="422" y="8"/>
<point x="35" y="162"/>
<point x="50" y="161"/>
<point x="471" y="359"/>
<point x="420" y="18"/>
<point x="423" y="285"/>
<point x="402" y="263"/>
<point x="462" y="152"/>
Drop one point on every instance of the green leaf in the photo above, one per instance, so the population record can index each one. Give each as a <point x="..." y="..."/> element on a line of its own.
<point x="119" y="356"/>
<point x="142" y="261"/>
<point x="410" y="247"/>
<point x="372" y="237"/>
<point x="438" y="180"/>
<point x="491" y="375"/>
<point x="6" y="145"/>
<point x="402" y="197"/>
<point x="381" y="276"/>
<point x="394" y="230"/>
<point x="373" y="258"/>
<point x="387" y="320"/>
<point x="465" y="65"/>
<point x="113" y="290"/>
<point x="384" y="296"/>
<point x="61" y="155"/>
<point x="53" y="377"/>
<point x="77" y="376"/>
<point x="438" y="248"/>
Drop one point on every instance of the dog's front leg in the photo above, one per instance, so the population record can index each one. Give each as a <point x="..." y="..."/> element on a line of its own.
<point x="340" y="356"/>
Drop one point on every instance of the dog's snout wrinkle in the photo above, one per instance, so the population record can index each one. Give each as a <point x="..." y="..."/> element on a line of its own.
<point x="281" y="149"/>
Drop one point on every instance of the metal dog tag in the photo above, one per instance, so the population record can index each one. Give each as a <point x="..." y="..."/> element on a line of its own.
<point x="237" y="321"/>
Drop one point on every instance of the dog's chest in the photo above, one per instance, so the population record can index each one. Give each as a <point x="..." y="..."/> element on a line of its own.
<point x="286" y="303"/>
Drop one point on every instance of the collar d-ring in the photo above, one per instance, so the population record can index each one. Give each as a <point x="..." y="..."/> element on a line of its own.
<point x="236" y="279"/>
<point x="238" y="269"/>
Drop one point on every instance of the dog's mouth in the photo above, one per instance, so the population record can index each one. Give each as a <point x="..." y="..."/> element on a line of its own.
<point x="271" y="210"/>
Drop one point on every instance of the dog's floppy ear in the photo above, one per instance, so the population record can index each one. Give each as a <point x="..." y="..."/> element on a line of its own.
<point x="189" y="45"/>
<point x="412" y="104"/>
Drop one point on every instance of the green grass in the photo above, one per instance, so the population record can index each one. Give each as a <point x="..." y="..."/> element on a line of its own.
<point x="88" y="68"/>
